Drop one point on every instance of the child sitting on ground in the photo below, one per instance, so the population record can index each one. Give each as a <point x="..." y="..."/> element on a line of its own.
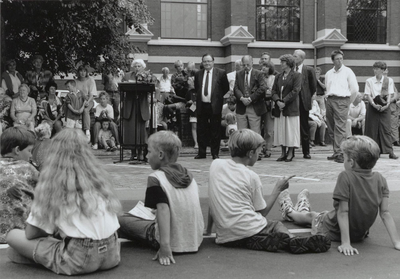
<point x="73" y="221"/>
<point x="18" y="178"/>
<point x="173" y="192"/>
<point x="358" y="196"/>
<point x="39" y="151"/>
<point x="75" y="104"/>
<point x="106" y="138"/>
<point x="232" y="124"/>
<point x="104" y="111"/>
<point x="238" y="208"/>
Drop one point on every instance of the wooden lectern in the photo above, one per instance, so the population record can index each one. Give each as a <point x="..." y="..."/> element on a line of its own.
<point x="134" y="102"/>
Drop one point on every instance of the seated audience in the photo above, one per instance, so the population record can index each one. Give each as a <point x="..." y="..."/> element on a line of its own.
<point x="231" y="124"/>
<point x="359" y="195"/>
<point x="87" y="85"/>
<point x="229" y="107"/>
<point x="238" y="208"/>
<point x="174" y="194"/>
<point x="316" y="121"/>
<point x="23" y="109"/>
<point x="5" y="104"/>
<point x="43" y="134"/>
<point x="356" y="117"/>
<point x="18" y="179"/>
<point x="164" y="84"/>
<point x="72" y="226"/>
<point x="11" y="79"/>
<point x="106" y="139"/>
<point x="104" y="111"/>
<point x="52" y="108"/>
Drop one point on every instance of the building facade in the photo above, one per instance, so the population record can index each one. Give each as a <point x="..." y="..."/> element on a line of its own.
<point x="365" y="30"/>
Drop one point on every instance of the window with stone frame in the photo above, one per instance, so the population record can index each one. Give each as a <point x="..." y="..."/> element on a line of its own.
<point x="278" y="20"/>
<point x="366" y="21"/>
<point x="184" y="19"/>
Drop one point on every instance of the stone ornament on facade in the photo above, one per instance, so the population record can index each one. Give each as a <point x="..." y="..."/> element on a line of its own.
<point x="329" y="38"/>
<point x="237" y="35"/>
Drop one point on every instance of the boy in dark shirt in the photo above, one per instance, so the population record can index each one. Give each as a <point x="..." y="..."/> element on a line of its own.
<point x="358" y="197"/>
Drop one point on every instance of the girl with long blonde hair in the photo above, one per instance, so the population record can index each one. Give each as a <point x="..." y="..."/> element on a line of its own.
<point x="73" y="221"/>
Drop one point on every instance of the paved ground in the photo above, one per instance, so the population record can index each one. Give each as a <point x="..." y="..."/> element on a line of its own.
<point x="377" y="259"/>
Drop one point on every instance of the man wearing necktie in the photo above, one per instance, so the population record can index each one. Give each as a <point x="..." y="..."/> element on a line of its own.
<point x="249" y="90"/>
<point x="308" y="89"/>
<point x="211" y="84"/>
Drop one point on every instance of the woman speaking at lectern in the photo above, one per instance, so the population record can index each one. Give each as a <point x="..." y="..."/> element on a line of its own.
<point x="140" y="113"/>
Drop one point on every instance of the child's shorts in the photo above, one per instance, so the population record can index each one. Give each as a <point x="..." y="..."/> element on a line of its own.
<point x="73" y="123"/>
<point x="71" y="256"/>
<point x="318" y="227"/>
<point x="193" y="119"/>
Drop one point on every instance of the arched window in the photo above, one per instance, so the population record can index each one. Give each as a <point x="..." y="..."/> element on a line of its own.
<point x="366" y="21"/>
<point x="278" y="20"/>
<point x="184" y="19"/>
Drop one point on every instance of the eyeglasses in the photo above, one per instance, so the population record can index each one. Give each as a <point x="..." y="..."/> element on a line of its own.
<point x="208" y="61"/>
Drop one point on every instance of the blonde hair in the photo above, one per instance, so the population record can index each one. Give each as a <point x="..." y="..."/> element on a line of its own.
<point x="167" y="142"/>
<point x="26" y="86"/>
<point x="72" y="181"/>
<point x="244" y="140"/>
<point x="230" y="118"/>
<point x="362" y="149"/>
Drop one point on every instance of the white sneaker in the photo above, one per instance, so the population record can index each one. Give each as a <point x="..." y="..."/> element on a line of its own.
<point x="88" y="135"/>
<point x="286" y="204"/>
<point x="303" y="204"/>
<point x="95" y="146"/>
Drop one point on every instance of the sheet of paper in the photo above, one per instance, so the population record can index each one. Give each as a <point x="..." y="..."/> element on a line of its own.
<point x="142" y="212"/>
<point x="193" y="107"/>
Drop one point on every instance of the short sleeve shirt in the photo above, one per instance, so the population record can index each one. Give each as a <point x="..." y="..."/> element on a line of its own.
<point x="109" y="109"/>
<point x="235" y="196"/>
<point x="364" y="191"/>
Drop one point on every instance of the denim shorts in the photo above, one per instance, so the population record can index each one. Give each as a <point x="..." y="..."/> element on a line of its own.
<point x="71" y="256"/>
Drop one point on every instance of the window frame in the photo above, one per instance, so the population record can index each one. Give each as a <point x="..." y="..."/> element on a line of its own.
<point x="379" y="39"/>
<point x="296" y="34"/>
<point x="205" y="12"/>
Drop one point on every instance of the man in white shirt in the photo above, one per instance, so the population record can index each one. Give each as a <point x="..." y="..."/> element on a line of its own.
<point x="341" y="84"/>
<point x="211" y="84"/>
<point x="356" y="117"/>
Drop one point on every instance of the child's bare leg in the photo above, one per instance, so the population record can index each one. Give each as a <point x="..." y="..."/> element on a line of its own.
<point x="104" y="143"/>
<point x="194" y="133"/>
<point x="302" y="218"/>
<point x="18" y="241"/>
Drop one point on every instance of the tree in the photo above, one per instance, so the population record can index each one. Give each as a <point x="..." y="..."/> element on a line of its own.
<point x="67" y="32"/>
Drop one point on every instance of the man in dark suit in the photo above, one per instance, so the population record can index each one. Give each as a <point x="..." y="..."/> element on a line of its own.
<point x="308" y="88"/>
<point x="211" y="84"/>
<point x="249" y="90"/>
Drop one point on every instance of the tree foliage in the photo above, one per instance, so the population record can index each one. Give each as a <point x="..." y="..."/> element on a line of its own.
<point x="67" y="33"/>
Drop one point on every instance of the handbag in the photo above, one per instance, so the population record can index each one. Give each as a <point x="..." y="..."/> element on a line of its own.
<point x="379" y="100"/>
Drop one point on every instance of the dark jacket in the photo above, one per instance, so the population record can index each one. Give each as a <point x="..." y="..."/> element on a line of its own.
<point x="308" y="86"/>
<point x="219" y="87"/>
<point x="289" y="94"/>
<point x="257" y="91"/>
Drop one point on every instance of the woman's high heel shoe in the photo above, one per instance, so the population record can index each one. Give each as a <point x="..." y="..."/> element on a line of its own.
<point x="282" y="158"/>
<point x="289" y="159"/>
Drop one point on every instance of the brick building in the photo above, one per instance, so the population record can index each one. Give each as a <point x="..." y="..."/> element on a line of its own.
<point x="367" y="31"/>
